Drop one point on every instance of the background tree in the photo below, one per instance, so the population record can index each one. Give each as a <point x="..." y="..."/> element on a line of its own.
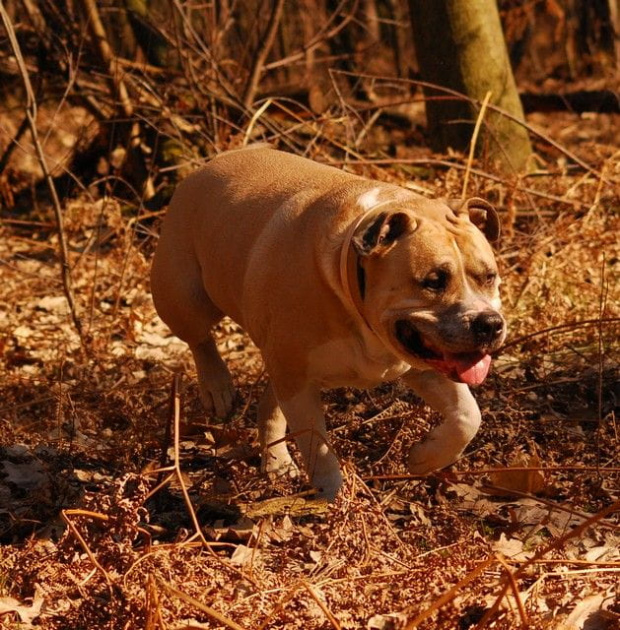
<point x="460" y="45"/>
<point x="157" y="84"/>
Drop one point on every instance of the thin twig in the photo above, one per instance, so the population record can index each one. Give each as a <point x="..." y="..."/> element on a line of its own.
<point x="176" y="411"/>
<point x="326" y="611"/>
<point x="601" y="358"/>
<point x="84" y="544"/>
<point x="326" y="33"/>
<point x="31" y="115"/>
<point x="175" y="469"/>
<point x="488" y="471"/>
<point x="255" y="117"/>
<point x="550" y="504"/>
<point x="570" y="326"/>
<point x="280" y="605"/>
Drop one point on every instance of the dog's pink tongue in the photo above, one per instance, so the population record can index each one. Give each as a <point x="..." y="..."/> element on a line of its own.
<point x="470" y="368"/>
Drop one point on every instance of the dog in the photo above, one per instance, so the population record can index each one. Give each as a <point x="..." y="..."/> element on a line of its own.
<point x="340" y="281"/>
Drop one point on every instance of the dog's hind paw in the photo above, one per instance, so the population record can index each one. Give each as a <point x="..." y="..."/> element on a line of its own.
<point x="218" y="397"/>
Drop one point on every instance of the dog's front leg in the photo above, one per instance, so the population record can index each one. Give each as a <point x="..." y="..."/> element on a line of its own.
<point x="461" y="420"/>
<point x="276" y="460"/>
<point x="303" y="411"/>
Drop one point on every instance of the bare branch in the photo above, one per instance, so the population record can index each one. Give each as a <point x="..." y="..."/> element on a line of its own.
<point x="107" y="56"/>
<point x="31" y="115"/>
<point x="261" y="54"/>
<point x="326" y="33"/>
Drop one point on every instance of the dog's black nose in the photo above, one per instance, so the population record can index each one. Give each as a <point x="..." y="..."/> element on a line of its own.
<point x="487" y="327"/>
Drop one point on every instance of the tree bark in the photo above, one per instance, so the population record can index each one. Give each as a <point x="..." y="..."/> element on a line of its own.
<point x="614" y="12"/>
<point x="460" y="45"/>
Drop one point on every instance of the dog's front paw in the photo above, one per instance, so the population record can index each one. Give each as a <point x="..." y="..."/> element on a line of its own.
<point x="428" y="457"/>
<point x="217" y="396"/>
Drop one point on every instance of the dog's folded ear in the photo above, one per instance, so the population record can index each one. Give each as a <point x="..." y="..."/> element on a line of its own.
<point x="378" y="234"/>
<point x="481" y="213"/>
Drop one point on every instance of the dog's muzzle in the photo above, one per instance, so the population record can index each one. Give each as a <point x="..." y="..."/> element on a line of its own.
<point x="487" y="327"/>
<point x="471" y="367"/>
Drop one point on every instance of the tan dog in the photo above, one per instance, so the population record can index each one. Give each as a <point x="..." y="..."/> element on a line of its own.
<point x="340" y="281"/>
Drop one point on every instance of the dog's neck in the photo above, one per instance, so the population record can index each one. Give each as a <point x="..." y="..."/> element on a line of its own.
<point x="352" y="275"/>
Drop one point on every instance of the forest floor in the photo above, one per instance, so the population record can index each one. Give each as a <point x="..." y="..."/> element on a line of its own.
<point x="102" y="484"/>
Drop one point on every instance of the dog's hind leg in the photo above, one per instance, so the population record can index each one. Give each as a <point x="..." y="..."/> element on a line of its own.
<point x="187" y="309"/>
<point x="461" y="420"/>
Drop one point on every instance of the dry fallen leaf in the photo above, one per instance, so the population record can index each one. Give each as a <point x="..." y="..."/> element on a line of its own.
<point x="588" y="614"/>
<point x="511" y="548"/>
<point x="391" y="621"/>
<point x="243" y="555"/>
<point x="528" y="481"/>
<point x="27" y="614"/>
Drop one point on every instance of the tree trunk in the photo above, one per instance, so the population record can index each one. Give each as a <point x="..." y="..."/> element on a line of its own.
<point x="460" y="45"/>
<point x="614" y="13"/>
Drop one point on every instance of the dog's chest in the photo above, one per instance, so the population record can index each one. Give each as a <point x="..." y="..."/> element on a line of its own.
<point x="348" y="362"/>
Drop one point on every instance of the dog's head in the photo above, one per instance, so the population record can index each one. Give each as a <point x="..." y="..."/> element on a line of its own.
<point x="428" y="284"/>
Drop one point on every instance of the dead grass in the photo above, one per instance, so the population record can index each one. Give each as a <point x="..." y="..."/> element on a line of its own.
<point x="522" y="532"/>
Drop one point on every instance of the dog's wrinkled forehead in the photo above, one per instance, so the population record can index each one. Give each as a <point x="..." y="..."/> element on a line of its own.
<point x="438" y="210"/>
<point x="459" y="216"/>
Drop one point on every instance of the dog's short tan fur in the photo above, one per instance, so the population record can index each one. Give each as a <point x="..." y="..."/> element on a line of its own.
<point x="339" y="280"/>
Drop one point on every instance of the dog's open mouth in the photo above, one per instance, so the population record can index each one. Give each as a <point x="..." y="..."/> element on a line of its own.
<point x="464" y="367"/>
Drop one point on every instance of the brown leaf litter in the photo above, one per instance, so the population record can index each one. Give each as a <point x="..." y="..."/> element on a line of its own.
<point x="99" y="506"/>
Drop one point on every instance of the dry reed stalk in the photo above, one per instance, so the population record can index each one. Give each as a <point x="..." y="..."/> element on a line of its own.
<point x="474" y="140"/>
<point x="515" y="591"/>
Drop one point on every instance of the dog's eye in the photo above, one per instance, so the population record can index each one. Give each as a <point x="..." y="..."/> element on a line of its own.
<point x="436" y="281"/>
<point x="489" y="278"/>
